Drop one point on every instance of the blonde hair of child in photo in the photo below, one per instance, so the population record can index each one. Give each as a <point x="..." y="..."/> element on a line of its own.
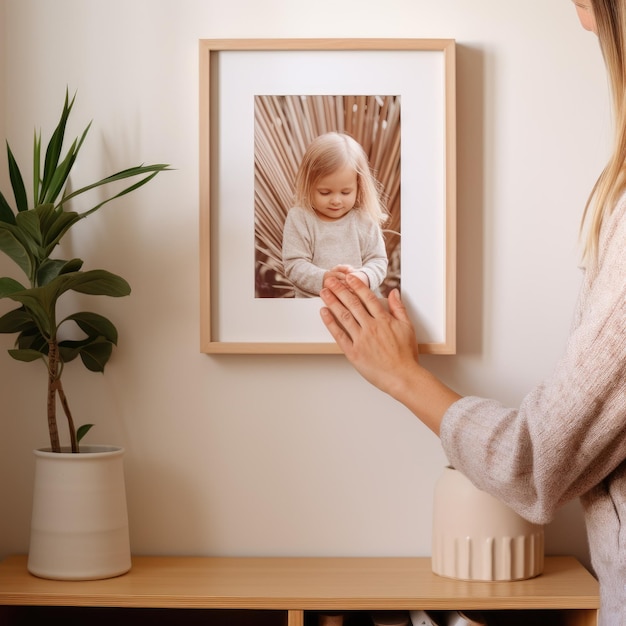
<point x="334" y="228"/>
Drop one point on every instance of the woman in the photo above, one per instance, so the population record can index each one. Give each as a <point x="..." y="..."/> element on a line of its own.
<point x="568" y="437"/>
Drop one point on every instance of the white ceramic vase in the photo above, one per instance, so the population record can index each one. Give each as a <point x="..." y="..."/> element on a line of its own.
<point x="477" y="537"/>
<point x="79" y="524"/>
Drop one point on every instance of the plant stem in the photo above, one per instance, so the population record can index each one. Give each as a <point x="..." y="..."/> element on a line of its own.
<point x="68" y="415"/>
<point x="53" y="364"/>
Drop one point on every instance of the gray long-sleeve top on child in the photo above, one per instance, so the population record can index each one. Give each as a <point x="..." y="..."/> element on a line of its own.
<point x="312" y="246"/>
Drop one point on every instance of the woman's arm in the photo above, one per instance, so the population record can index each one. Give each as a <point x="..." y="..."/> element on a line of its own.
<point x="569" y="432"/>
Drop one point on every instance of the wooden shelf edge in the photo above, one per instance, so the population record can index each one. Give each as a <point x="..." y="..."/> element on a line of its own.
<point x="300" y="584"/>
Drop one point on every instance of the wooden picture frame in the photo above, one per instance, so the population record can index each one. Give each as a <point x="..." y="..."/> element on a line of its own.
<point x="249" y="90"/>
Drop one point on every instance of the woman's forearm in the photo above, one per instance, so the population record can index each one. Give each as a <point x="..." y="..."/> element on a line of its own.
<point x="424" y="395"/>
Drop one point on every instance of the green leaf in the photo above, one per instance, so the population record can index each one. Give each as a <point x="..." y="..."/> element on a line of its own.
<point x="73" y="265"/>
<point x="28" y="222"/>
<point x="12" y="245"/>
<point x="82" y="431"/>
<point x="54" y="229"/>
<point x="17" y="182"/>
<point x="152" y="170"/>
<point x="69" y="349"/>
<point x="32" y="339"/>
<point x="51" y="268"/>
<point x="9" y="287"/>
<point x="28" y="356"/>
<point x="6" y="212"/>
<point x="16" y="321"/>
<point x="60" y="175"/>
<point x="47" y="215"/>
<point x="97" y="283"/>
<point x="93" y="351"/>
<point x="37" y="302"/>
<point x="93" y="325"/>
<point x="93" y="282"/>
<point x="41" y="301"/>
<point x="55" y="145"/>
<point x="53" y="224"/>
<point x="95" y="355"/>
<point x="36" y="166"/>
<point x="62" y="171"/>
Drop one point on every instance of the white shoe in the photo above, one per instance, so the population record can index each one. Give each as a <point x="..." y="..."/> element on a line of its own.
<point x="421" y="618"/>
<point x="448" y="618"/>
<point x="458" y="618"/>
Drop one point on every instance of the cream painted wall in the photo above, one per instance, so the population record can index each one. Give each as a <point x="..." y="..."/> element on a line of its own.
<point x="297" y="455"/>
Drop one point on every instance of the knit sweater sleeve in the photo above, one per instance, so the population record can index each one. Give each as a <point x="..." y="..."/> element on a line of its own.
<point x="570" y="432"/>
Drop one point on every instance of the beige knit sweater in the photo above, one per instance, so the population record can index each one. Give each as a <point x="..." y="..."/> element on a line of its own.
<point x="568" y="438"/>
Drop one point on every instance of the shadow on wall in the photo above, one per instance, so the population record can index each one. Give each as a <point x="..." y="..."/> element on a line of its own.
<point x="470" y="197"/>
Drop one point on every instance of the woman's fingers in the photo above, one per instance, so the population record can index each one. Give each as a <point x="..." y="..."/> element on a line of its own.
<point x="367" y="299"/>
<point x="379" y="343"/>
<point x="352" y="299"/>
<point x="397" y="308"/>
<point x="340" y="303"/>
<point x="341" y="337"/>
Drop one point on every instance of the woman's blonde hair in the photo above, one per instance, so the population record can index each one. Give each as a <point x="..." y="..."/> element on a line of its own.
<point x="610" y="17"/>
<point x="329" y="152"/>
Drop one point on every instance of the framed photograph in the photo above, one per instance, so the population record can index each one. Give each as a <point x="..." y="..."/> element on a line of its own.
<point x="272" y="115"/>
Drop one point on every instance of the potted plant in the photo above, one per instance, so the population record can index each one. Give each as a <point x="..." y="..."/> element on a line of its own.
<point x="29" y="236"/>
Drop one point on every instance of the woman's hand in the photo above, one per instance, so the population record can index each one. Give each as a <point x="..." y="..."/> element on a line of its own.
<point x="362" y="276"/>
<point x="342" y="271"/>
<point x="339" y="275"/>
<point x="380" y="343"/>
<point x="382" y="346"/>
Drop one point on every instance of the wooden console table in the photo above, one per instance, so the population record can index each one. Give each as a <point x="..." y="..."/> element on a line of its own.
<point x="291" y="592"/>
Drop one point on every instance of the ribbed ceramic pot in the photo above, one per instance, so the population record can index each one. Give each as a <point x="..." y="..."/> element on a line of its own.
<point x="79" y="523"/>
<point x="477" y="537"/>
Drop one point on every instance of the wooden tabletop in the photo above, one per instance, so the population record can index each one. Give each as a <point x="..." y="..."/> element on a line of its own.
<point x="300" y="584"/>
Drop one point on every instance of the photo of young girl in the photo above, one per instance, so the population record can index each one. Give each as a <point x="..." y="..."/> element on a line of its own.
<point x="334" y="228"/>
<point x="285" y="127"/>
